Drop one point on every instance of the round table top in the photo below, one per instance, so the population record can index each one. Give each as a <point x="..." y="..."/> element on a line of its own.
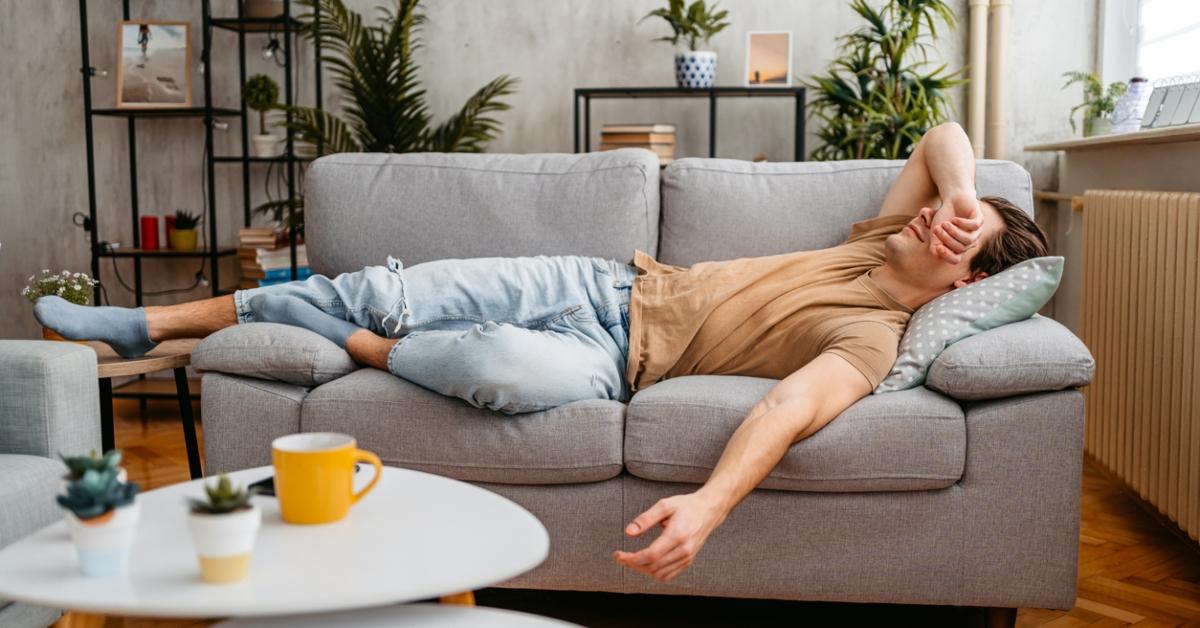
<point x="171" y="354"/>
<point x="416" y="536"/>
<point x="423" y="615"/>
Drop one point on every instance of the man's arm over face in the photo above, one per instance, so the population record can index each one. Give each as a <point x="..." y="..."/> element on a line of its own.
<point x="796" y="408"/>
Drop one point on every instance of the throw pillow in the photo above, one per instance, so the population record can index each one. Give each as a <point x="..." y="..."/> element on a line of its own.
<point x="1010" y="296"/>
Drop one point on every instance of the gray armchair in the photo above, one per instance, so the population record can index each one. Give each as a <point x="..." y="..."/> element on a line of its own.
<point x="49" y="404"/>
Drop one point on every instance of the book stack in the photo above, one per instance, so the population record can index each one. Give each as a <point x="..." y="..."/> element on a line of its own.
<point x="266" y="258"/>
<point x="657" y="138"/>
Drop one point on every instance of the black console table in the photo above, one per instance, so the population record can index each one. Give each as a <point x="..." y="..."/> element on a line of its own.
<point x="712" y="94"/>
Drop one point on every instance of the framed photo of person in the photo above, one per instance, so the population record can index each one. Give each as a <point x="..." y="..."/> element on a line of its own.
<point x="769" y="59"/>
<point x="154" y="64"/>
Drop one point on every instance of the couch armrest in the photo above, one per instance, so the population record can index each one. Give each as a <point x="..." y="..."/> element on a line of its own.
<point x="1033" y="355"/>
<point x="49" y="398"/>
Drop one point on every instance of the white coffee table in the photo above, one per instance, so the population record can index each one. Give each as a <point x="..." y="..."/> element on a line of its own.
<point x="407" y="616"/>
<point x="416" y="536"/>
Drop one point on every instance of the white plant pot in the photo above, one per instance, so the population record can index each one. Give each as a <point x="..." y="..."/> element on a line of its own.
<point x="265" y="145"/>
<point x="696" y="69"/>
<point x="224" y="543"/>
<point x="103" y="546"/>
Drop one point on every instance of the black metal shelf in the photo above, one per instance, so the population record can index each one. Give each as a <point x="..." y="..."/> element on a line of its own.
<point x="255" y="24"/>
<point x="712" y="94"/>
<point x="166" y="112"/>
<point x="138" y="252"/>
<point x="235" y="159"/>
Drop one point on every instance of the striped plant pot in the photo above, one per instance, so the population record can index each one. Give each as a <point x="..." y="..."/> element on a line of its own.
<point x="696" y="69"/>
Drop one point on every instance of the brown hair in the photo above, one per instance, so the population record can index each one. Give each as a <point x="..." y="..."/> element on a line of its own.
<point x="1021" y="239"/>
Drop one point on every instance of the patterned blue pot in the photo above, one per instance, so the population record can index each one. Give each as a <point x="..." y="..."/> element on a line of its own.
<point x="696" y="69"/>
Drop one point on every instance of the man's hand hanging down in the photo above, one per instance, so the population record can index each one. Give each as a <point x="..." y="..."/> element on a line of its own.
<point x="686" y="521"/>
<point x="960" y="231"/>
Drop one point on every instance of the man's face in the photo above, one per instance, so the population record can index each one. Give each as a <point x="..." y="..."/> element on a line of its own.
<point x="910" y="250"/>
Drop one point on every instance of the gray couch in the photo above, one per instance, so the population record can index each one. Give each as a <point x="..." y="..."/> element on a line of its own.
<point x="963" y="492"/>
<point x="49" y="404"/>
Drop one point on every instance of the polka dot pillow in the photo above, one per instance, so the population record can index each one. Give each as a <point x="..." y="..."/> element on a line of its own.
<point x="1011" y="296"/>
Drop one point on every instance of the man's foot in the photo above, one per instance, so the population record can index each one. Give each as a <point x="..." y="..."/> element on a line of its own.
<point x="122" y="328"/>
<point x="299" y="313"/>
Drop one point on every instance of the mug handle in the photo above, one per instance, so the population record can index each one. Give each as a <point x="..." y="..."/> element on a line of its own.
<point x="362" y="455"/>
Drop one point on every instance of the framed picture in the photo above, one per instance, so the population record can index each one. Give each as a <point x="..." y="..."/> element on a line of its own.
<point x="769" y="59"/>
<point x="154" y="64"/>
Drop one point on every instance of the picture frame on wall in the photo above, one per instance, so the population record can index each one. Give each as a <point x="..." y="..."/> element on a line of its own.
<point x="768" y="59"/>
<point x="154" y="67"/>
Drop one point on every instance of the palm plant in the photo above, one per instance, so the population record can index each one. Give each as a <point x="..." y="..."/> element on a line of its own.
<point x="385" y="109"/>
<point x="880" y="96"/>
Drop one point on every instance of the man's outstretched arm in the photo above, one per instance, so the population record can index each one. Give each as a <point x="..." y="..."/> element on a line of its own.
<point x="796" y="408"/>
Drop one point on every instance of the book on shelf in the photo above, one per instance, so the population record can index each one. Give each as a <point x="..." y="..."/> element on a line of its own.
<point x="662" y="150"/>
<point x="638" y="138"/>
<point x="638" y="128"/>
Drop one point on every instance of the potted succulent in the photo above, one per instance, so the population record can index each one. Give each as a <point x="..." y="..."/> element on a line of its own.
<point x="73" y="287"/>
<point x="223" y="527"/>
<point x="77" y="466"/>
<point x="101" y="516"/>
<point x="1098" y="102"/>
<point x="692" y="24"/>
<point x="183" y="235"/>
<point x="261" y="94"/>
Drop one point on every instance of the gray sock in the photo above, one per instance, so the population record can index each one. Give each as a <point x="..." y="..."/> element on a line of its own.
<point x="299" y="313"/>
<point x="122" y="328"/>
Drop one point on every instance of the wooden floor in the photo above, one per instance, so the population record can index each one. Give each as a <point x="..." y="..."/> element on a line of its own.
<point x="1132" y="569"/>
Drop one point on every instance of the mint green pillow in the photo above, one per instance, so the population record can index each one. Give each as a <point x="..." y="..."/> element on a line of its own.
<point x="1013" y="295"/>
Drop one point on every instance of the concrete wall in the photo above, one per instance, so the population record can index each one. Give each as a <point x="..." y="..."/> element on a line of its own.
<point x="553" y="46"/>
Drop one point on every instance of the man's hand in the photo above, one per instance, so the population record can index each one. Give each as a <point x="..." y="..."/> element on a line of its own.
<point x="961" y="231"/>
<point x="686" y="521"/>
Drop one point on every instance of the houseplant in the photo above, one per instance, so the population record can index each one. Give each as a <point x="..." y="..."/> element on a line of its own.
<point x="1098" y="102"/>
<point x="101" y="517"/>
<point x="261" y="94"/>
<point x="74" y="287"/>
<point x="77" y="466"/>
<point x="880" y="96"/>
<point x="183" y="236"/>
<point x="692" y="24"/>
<point x="223" y="527"/>
<point x="384" y="107"/>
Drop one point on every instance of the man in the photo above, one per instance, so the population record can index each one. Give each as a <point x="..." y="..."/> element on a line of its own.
<point x="527" y="334"/>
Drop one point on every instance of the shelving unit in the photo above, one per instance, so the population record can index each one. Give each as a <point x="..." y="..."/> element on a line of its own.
<point x="285" y="26"/>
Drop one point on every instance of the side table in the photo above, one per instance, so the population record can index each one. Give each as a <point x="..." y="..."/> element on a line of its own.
<point x="175" y="355"/>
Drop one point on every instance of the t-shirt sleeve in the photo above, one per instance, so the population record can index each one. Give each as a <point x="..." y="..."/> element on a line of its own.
<point x="877" y="228"/>
<point x="869" y="346"/>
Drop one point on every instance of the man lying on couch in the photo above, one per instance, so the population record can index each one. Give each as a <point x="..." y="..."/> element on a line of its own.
<point x="527" y="334"/>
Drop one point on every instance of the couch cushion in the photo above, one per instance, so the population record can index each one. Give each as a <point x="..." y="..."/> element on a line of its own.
<point x="274" y="352"/>
<point x="409" y="426"/>
<point x="905" y="441"/>
<point x="1034" y="355"/>
<point x="360" y="208"/>
<point x="27" y="493"/>
<point x="714" y="209"/>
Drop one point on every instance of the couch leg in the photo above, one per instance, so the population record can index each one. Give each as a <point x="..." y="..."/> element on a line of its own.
<point x="1000" y="617"/>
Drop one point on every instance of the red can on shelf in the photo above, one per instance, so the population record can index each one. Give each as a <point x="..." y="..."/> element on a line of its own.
<point x="150" y="233"/>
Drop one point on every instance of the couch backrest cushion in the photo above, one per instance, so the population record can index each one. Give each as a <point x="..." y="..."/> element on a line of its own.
<point x="360" y="208"/>
<point x="714" y="209"/>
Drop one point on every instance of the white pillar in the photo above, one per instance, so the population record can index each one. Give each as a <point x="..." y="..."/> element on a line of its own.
<point x="997" y="127"/>
<point x="977" y="88"/>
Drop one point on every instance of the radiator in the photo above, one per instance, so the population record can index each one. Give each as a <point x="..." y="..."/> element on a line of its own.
<point x="1139" y="311"/>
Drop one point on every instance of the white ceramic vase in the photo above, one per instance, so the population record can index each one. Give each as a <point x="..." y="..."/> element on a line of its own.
<point x="224" y="543"/>
<point x="696" y="69"/>
<point x="103" y="543"/>
<point x="265" y="145"/>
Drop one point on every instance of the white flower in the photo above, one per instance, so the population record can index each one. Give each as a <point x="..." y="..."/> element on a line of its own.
<point x="60" y="291"/>
<point x="45" y="270"/>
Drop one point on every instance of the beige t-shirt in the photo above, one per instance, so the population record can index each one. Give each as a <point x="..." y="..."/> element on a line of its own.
<point x="766" y="316"/>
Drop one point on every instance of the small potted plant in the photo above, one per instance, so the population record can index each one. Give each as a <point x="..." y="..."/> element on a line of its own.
<point x="79" y="465"/>
<point x="692" y="24"/>
<point x="73" y="287"/>
<point x="223" y="527"/>
<point x="101" y="516"/>
<point x="183" y="235"/>
<point x="1098" y="103"/>
<point x="262" y="94"/>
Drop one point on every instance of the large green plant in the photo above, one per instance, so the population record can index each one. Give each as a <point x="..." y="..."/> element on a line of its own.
<point x="384" y="108"/>
<point x="880" y="96"/>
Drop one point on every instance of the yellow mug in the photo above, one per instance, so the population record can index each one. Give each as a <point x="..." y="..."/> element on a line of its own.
<point x="314" y="475"/>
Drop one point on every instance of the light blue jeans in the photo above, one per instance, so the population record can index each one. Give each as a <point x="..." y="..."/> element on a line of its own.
<point x="509" y="334"/>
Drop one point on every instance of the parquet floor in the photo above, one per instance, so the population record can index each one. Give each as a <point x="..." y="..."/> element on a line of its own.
<point x="1133" y="571"/>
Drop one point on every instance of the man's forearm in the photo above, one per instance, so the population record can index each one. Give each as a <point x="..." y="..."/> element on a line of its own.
<point x="752" y="452"/>
<point x="950" y="160"/>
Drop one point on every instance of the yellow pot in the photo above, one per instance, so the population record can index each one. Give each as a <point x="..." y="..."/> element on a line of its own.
<point x="183" y="239"/>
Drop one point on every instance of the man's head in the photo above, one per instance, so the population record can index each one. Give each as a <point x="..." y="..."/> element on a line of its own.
<point x="1009" y="236"/>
